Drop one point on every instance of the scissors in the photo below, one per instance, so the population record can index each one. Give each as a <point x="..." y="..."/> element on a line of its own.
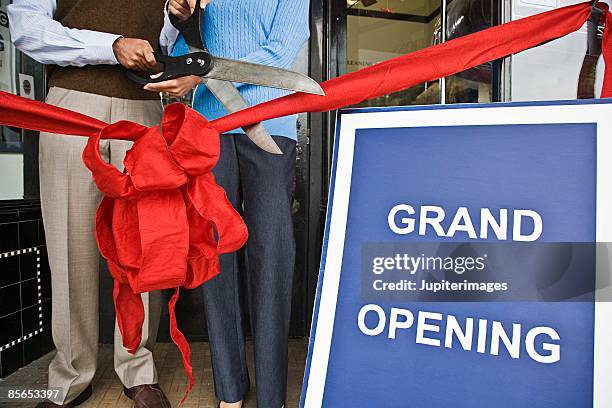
<point x="219" y="73"/>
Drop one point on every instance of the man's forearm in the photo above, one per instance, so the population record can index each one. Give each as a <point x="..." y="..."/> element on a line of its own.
<point x="34" y="32"/>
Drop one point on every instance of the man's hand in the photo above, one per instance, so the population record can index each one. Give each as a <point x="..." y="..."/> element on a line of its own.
<point x="177" y="88"/>
<point x="134" y="53"/>
<point x="183" y="9"/>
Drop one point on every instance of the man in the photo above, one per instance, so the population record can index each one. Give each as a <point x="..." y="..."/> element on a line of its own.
<point x="259" y="184"/>
<point x="88" y="45"/>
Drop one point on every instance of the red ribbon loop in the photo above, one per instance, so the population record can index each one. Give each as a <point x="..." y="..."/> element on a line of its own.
<point x="195" y="144"/>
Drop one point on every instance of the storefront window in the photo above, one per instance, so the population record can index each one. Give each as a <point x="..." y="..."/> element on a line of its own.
<point x="19" y="75"/>
<point x="477" y="84"/>
<point x="380" y="30"/>
<point x="377" y="30"/>
<point x="11" y="146"/>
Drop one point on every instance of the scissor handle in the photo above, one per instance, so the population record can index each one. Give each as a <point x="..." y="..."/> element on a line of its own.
<point x="197" y="63"/>
<point x="191" y="29"/>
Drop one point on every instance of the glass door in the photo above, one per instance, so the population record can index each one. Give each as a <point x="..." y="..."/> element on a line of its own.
<point x="380" y="30"/>
<point x="366" y="32"/>
<point x="11" y="146"/>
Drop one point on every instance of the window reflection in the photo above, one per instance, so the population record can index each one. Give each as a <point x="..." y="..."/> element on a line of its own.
<point x="384" y="29"/>
<point x="464" y="17"/>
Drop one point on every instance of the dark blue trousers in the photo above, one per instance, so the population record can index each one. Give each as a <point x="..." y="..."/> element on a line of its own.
<point x="259" y="185"/>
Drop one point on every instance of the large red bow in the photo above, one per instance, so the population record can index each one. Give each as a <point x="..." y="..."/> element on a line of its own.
<point x="157" y="221"/>
<point x="163" y="222"/>
<point x="156" y="225"/>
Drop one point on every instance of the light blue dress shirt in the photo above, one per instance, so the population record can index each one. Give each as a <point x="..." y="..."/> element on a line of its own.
<point x="34" y="32"/>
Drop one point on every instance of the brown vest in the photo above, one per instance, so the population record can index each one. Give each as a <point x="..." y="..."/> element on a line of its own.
<point x="130" y="18"/>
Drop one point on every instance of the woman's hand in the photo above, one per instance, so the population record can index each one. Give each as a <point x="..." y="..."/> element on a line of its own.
<point x="177" y="88"/>
<point x="183" y="9"/>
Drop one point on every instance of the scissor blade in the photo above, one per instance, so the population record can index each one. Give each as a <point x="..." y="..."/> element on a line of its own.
<point x="233" y="101"/>
<point x="256" y="74"/>
<point x="262" y="139"/>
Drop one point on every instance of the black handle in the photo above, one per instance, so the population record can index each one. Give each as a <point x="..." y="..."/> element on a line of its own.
<point x="197" y="63"/>
<point x="191" y="28"/>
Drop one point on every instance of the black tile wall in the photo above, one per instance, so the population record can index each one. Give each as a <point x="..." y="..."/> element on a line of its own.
<point x="29" y="293"/>
<point x="28" y="265"/>
<point x="41" y="233"/>
<point x="9" y="237"/>
<point x="11" y="328"/>
<point x="45" y="287"/>
<point x="25" y="286"/>
<point x="11" y="299"/>
<point x="32" y="346"/>
<point x="30" y="214"/>
<point x="28" y="234"/>
<point x="12" y="359"/>
<point x="7" y="215"/>
<point x="46" y="308"/>
<point x="30" y="319"/>
<point x="44" y="262"/>
<point x="9" y="271"/>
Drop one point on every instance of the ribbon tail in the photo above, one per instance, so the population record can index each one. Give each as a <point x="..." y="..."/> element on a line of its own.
<point x="210" y="201"/>
<point x="130" y="315"/>
<point x="179" y="339"/>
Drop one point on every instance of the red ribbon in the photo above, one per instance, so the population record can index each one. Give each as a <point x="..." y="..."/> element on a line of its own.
<point x="156" y="224"/>
<point x="607" y="53"/>
<point x="430" y="64"/>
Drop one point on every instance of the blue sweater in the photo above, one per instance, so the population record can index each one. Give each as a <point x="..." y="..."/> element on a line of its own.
<point x="269" y="32"/>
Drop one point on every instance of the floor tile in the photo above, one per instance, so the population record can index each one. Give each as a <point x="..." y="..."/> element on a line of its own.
<point x="108" y="390"/>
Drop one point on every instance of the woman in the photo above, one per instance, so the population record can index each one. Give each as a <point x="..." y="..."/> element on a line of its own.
<point x="259" y="185"/>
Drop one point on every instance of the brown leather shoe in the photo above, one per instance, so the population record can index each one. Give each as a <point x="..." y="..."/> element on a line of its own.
<point x="147" y="396"/>
<point x="84" y="396"/>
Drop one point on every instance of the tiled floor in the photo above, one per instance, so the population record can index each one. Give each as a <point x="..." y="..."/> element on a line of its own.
<point x="108" y="389"/>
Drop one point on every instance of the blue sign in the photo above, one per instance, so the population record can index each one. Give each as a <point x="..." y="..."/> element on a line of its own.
<point x="464" y="260"/>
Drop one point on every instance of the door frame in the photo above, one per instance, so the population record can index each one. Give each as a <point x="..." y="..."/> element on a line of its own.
<point x="328" y="28"/>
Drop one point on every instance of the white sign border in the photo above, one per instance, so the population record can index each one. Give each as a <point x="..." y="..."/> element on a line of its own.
<point x="349" y="121"/>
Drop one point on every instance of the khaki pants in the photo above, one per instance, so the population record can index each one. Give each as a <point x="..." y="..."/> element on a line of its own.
<point x="69" y="201"/>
